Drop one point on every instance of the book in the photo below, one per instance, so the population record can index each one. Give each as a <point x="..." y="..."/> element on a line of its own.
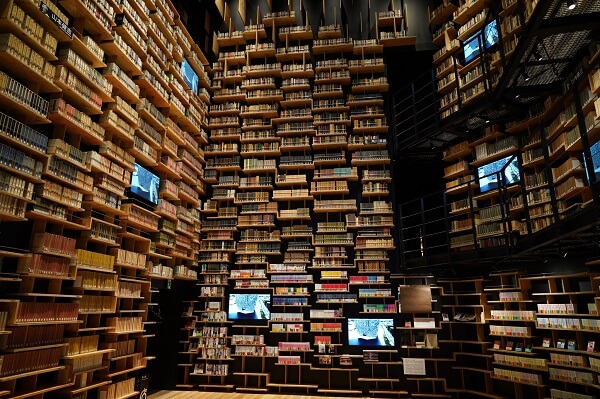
<point x="572" y="344"/>
<point x="519" y="347"/>
<point x="509" y="345"/>
<point x="497" y="344"/>
<point x="546" y="342"/>
<point x="321" y="348"/>
<point x="325" y="359"/>
<point x="591" y="346"/>
<point x="345" y="360"/>
<point x="560" y="344"/>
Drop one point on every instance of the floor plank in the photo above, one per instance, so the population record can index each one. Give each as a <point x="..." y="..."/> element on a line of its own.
<point x="231" y="395"/>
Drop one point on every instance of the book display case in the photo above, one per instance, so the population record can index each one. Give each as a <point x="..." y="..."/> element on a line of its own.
<point x="91" y="93"/>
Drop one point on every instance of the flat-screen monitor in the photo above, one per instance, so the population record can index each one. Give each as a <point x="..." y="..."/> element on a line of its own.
<point x="371" y="332"/>
<point x="488" y="174"/>
<point x="144" y="184"/>
<point x="189" y="76"/>
<point x="490" y="34"/>
<point x="249" y="307"/>
<point x="595" y="150"/>
<point x="488" y="37"/>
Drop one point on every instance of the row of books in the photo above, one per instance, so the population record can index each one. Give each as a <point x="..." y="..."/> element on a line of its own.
<point x="117" y="390"/>
<point x="326" y="313"/>
<point x="513" y="315"/>
<point x="90" y="361"/>
<point x="24" y="362"/>
<point x="556" y="308"/>
<point x="253" y="350"/>
<point x="45" y="265"/>
<point x="325" y="327"/>
<point x="31" y="336"/>
<point x="558" y="394"/>
<point x="97" y="304"/>
<point x="83" y="344"/>
<point x="212" y="332"/>
<point x="36" y="312"/>
<point x="289" y="301"/>
<point x="91" y="280"/>
<point x="294" y="346"/>
<point x="287" y="316"/>
<point x="237" y="339"/>
<point x="95" y="260"/>
<point x="287" y="327"/>
<point x="209" y="353"/>
<point x="125" y="324"/>
<point x="211" y="369"/>
<point x="510" y="331"/>
<point x="568" y="323"/>
<point x="518" y="376"/>
<point x="571" y="376"/>
<point x="520" y="361"/>
<point x="288" y="360"/>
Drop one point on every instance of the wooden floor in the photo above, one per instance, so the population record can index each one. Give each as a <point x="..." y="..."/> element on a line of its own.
<point x="229" y="395"/>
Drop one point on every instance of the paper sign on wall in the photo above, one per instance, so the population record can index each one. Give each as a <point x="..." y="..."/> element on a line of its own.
<point x="413" y="366"/>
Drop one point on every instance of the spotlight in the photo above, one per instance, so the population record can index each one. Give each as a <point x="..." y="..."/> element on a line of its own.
<point x="517" y="96"/>
<point x="526" y="76"/>
<point x="571" y="4"/>
<point x="487" y="121"/>
<point x="537" y="55"/>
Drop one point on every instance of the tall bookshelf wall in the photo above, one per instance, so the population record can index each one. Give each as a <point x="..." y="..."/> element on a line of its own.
<point x="89" y="89"/>
<point x="299" y="207"/>
<point x="550" y="144"/>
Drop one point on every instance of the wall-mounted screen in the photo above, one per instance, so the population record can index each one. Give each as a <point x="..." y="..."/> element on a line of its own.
<point x="190" y="77"/>
<point x="472" y="46"/>
<point x="371" y="332"/>
<point x="489" y="176"/>
<point x="595" y="150"/>
<point x="249" y="307"/>
<point x="490" y="34"/>
<point x="144" y="184"/>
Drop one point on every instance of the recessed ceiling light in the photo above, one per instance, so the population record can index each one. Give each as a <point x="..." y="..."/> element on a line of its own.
<point x="526" y="76"/>
<point x="537" y="55"/>
<point x="571" y="4"/>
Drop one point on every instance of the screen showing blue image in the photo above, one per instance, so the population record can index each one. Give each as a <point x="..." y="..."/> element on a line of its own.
<point x="488" y="176"/>
<point x="595" y="150"/>
<point x="472" y="46"/>
<point x="490" y="34"/>
<point x="249" y="307"/>
<point x="144" y="184"/>
<point x="371" y="332"/>
<point x="190" y="77"/>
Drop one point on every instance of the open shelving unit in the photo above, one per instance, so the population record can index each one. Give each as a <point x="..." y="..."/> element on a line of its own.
<point x="89" y="91"/>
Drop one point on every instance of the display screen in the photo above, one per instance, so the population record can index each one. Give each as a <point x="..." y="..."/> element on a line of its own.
<point x="472" y="46"/>
<point x="189" y="76"/>
<point x="144" y="184"/>
<point x="488" y="176"/>
<point x="595" y="150"/>
<point x="249" y="307"/>
<point x="490" y="34"/>
<point x="371" y="332"/>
